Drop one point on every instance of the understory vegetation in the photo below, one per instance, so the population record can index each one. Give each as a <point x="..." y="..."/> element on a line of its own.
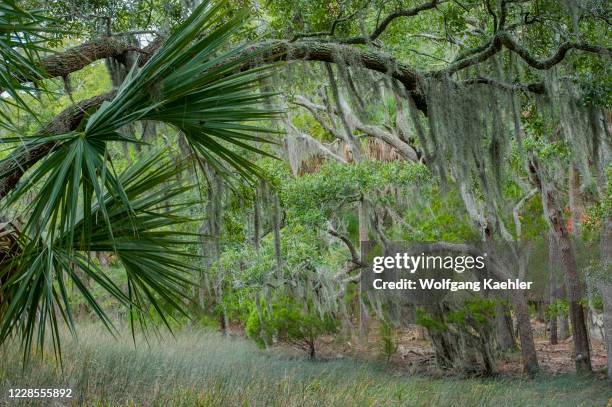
<point x="183" y="371"/>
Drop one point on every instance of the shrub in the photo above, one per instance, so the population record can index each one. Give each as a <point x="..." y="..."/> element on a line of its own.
<point x="291" y="322"/>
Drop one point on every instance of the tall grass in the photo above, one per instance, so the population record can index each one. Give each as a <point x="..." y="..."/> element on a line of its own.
<point x="205" y="369"/>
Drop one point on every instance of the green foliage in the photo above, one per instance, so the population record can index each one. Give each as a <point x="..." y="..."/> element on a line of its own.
<point x="475" y="310"/>
<point x="82" y="204"/>
<point x="290" y="321"/>
<point x="156" y="267"/>
<point x="429" y="322"/>
<point x="313" y="198"/>
<point x="23" y="33"/>
<point x="558" y="308"/>
<point x="388" y="345"/>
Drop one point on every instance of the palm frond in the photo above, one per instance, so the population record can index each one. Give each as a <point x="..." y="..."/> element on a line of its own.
<point x="23" y="34"/>
<point x="35" y="285"/>
<point x="195" y="85"/>
<point x="82" y="205"/>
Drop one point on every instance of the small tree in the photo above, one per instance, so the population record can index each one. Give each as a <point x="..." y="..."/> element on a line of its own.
<point x="291" y="322"/>
<point x="388" y="345"/>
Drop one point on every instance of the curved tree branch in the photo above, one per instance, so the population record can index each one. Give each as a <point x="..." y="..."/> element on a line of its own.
<point x="74" y="59"/>
<point x="355" y="258"/>
<point x="24" y="157"/>
<point x="403" y="148"/>
<point x="557" y="57"/>
<point x="535" y="87"/>
<point x="380" y="28"/>
<point x="276" y="50"/>
<point x="503" y="39"/>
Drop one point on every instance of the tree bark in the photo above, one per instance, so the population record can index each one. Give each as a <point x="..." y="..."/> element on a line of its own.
<point x="528" y="351"/>
<point x="277" y="220"/>
<point x="552" y="288"/>
<point x="575" y="289"/>
<point x="575" y="201"/>
<point x="606" y="288"/>
<point x="257" y="218"/>
<point x="23" y="158"/>
<point x="505" y="331"/>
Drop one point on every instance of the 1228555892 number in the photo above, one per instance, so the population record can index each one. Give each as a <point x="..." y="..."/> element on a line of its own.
<point x="40" y="393"/>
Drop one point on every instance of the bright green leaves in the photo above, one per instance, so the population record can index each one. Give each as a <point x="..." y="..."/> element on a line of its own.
<point x="67" y="181"/>
<point x="292" y="321"/>
<point x="314" y="198"/>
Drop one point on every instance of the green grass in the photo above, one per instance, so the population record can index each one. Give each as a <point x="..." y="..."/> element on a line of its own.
<point x="205" y="369"/>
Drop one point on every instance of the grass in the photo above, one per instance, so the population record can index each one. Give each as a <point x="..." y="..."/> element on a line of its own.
<point x="199" y="368"/>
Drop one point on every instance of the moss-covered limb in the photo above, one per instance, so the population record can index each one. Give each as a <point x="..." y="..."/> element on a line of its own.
<point x="277" y="50"/>
<point x="404" y="149"/>
<point x="535" y="87"/>
<point x="24" y="157"/>
<point x="76" y="58"/>
<point x="62" y="64"/>
<point x="504" y="40"/>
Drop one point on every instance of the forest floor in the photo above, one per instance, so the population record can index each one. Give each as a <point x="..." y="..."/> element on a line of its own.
<point x="415" y="354"/>
<point x="198" y="367"/>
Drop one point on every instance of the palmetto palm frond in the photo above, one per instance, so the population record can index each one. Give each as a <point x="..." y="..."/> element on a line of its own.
<point x="22" y="37"/>
<point x="195" y="85"/>
<point x="191" y="83"/>
<point x="35" y="284"/>
<point x="82" y="205"/>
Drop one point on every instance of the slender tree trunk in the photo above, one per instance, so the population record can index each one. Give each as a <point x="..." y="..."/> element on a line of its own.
<point x="528" y="351"/>
<point x="606" y="293"/>
<point x="505" y="332"/>
<point x="211" y="231"/>
<point x="575" y="201"/>
<point x="277" y="220"/>
<point x="575" y="289"/>
<point x="363" y="237"/>
<point x="553" y="262"/>
<point x="564" y="328"/>
<point x="311" y="349"/>
<point x="577" y="314"/>
<point x="257" y="220"/>
<point x="606" y="288"/>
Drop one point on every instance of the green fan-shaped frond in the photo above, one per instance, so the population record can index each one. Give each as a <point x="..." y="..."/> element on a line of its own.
<point x="22" y="36"/>
<point x="196" y="83"/>
<point x="144" y="239"/>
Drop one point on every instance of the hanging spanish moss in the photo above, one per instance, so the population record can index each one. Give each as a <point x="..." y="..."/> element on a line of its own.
<point x="468" y="131"/>
<point x="581" y="125"/>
